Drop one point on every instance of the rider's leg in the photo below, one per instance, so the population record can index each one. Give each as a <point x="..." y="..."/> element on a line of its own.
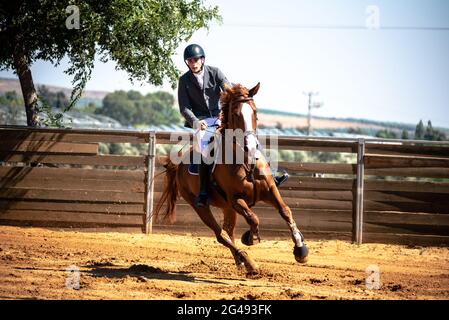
<point x="201" y="201"/>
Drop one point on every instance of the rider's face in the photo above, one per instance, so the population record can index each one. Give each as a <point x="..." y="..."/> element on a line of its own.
<point x="195" y="64"/>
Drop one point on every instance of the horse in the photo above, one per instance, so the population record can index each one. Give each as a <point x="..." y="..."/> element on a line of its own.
<point x="238" y="186"/>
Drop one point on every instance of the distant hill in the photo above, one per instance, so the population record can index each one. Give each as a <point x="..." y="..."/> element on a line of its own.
<point x="267" y="117"/>
<point x="275" y="118"/>
<point x="88" y="95"/>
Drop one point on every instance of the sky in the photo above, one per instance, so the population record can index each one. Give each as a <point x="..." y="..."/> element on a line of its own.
<point x="398" y="72"/>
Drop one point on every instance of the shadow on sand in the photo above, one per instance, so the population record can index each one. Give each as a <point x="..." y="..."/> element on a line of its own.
<point x="142" y="272"/>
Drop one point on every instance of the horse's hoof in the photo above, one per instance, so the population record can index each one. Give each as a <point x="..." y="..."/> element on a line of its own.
<point x="252" y="273"/>
<point x="248" y="240"/>
<point x="239" y="263"/>
<point x="240" y="267"/>
<point x="251" y="266"/>
<point x="301" y="253"/>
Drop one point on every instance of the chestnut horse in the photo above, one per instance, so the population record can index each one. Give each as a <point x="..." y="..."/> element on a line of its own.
<point x="238" y="186"/>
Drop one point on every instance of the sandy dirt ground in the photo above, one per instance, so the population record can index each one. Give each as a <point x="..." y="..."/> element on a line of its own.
<point x="34" y="264"/>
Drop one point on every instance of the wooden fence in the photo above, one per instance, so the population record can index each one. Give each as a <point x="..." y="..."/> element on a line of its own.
<point x="57" y="178"/>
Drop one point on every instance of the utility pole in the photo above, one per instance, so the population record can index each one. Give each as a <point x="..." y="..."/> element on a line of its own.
<point x="311" y="105"/>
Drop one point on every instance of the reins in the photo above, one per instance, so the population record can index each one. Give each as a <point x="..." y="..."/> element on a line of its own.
<point x="248" y="167"/>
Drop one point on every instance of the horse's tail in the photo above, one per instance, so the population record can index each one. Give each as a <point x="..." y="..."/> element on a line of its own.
<point x="170" y="193"/>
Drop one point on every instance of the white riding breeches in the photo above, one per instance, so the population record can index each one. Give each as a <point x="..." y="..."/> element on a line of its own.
<point x="203" y="136"/>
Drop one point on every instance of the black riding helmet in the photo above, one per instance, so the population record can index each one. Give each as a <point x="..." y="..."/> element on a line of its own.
<point x="193" y="51"/>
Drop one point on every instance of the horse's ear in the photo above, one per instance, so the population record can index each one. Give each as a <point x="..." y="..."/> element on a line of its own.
<point x="254" y="90"/>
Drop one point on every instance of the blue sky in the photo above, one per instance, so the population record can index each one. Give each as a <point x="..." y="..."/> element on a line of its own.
<point x="388" y="75"/>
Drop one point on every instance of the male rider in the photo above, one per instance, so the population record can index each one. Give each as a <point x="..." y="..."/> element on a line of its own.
<point x="199" y="103"/>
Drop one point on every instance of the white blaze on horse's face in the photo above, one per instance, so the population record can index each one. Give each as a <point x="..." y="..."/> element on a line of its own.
<point x="250" y="139"/>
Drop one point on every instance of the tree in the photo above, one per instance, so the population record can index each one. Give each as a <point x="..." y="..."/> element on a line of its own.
<point x="132" y="108"/>
<point x="326" y="156"/>
<point x="139" y="35"/>
<point x="439" y="136"/>
<point x="404" y="135"/>
<point x="355" y="131"/>
<point x="10" y="98"/>
<point x="118" y="106"/>
<point x="419" y="131"/>
<point x="12" y="102"/>
<point x="163" y="96"/>
<point x="386" y="134"/>
<point x="287" y="155"/>
<point x="434" y="134"/>
<point x="56" y="100"/>
<point x="429" y="134"/>
<point x="157" y="109"/>
<point x="89" y="108"/>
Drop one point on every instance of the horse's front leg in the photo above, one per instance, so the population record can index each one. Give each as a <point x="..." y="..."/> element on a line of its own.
<point x="250" y="237"/>
<point x="229" y="222"/>
<point x="222" y="237"/>
<point x="300" y="250"/>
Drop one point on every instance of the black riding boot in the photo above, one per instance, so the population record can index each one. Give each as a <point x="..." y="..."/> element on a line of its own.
<point x="201" y="201"/>
<point x="280" y="179"/>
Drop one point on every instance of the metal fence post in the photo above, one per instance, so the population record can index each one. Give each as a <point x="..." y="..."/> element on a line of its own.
<point x="357" y="218"/>
<point x="149" y="183"/>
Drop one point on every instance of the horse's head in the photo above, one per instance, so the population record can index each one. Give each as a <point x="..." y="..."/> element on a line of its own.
<point x="238" y="108"/>
<point x="239" y="112"/>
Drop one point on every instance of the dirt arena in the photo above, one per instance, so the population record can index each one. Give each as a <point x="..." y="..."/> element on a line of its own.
<point x="34" y="262"/>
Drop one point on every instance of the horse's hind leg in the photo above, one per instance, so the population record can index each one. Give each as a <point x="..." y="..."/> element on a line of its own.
<point x="222" y="237"/>
<point x="250" y="237"/>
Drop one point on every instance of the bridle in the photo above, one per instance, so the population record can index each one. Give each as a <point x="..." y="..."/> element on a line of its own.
<point x="233" y="114"/>
<point x="249" y="167"/>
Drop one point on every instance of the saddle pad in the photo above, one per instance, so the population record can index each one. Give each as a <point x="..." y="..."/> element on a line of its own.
<point x="193" y="169"/>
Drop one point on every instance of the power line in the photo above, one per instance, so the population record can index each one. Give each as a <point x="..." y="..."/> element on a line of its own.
<point x="334" y="27"/>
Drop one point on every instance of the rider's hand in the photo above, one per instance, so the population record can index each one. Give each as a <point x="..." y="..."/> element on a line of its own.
<point x="202" y="125"/>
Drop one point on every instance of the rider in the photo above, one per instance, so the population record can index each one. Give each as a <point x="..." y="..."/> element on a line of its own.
<point x="199" y="103"/>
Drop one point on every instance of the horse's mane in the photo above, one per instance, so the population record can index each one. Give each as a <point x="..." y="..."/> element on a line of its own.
<point x="227" y="96"/>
